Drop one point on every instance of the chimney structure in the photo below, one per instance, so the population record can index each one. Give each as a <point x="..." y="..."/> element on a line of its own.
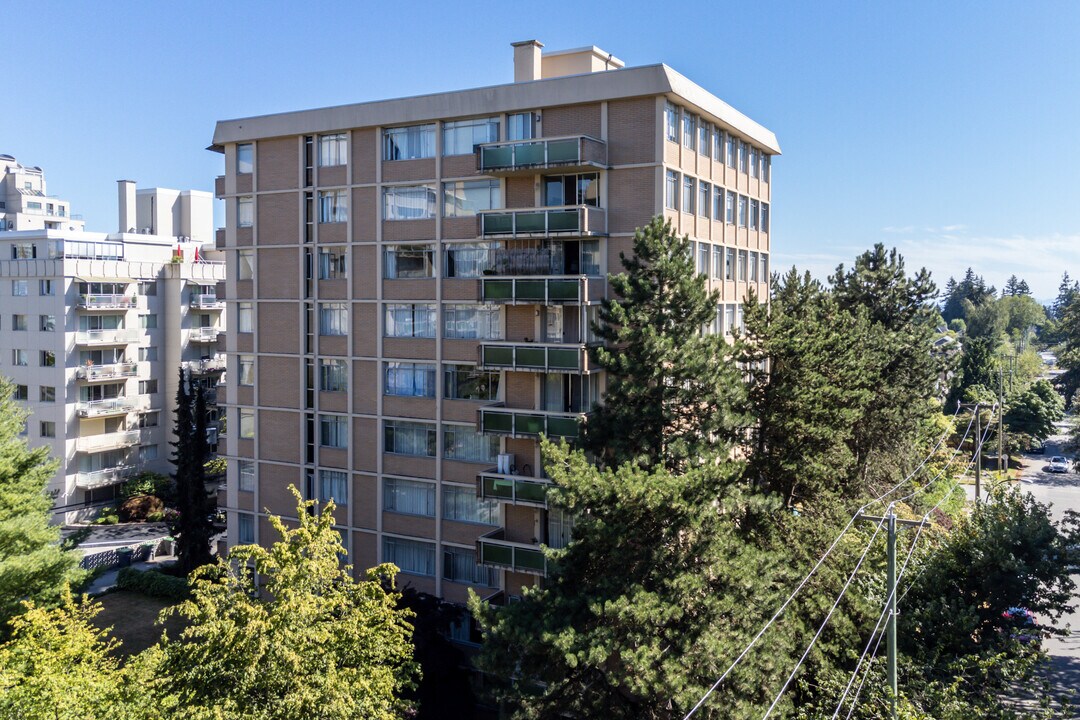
<point x="527" y="60"/>
<point x="126" y="205"/>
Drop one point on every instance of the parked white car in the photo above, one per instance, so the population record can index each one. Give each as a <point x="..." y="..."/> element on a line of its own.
<point x="1059" y="464"/>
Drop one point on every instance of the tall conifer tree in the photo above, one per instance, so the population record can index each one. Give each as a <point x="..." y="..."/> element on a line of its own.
<point x="192" y="525"/>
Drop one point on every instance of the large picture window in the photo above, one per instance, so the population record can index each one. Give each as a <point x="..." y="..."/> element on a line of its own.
<point x="413" y="320"/>
<point x="465" y="197"/>
<point x="459" y="137"/>
<point x="459" y="565"/>
<point x="461" y="504"/>
<point x="409" y="379"/>
<point x="334" y="431"/>
<point x="409" y="202"/>
<point x="409" y="262"/>
<point x="334" y="485"/>
<point x="409" y="143"/>
<point x="333" y="319"/>
<point x="472" y="322"/>
<point x="333" y="150"/>
<point x="333" y="263"/>
<point x="409" y="438"/>
<point x="333" y="206"/>
<point x="465" y="382"/>
<point x="410" y="497"/>
<point x="333" y="375"/>
<point x="411" y="556"/>
<point x="462" y="442"/>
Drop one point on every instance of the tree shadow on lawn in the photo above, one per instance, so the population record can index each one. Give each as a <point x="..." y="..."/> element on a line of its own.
<point x="133" y="618"/>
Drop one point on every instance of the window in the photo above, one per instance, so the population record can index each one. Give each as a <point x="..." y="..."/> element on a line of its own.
<point x="742" y="156"/>
<point x="465" y="382"/>
<point x="410" y="497"/>
<point x="333" y="150"/>
<point x="753" y="160"/>
<point x="20" y="288"/>
<point x="48" y="358"/>
<point x="245" y="211"/>
<point x="581" y="189"/>
<point x="754" y="210"/>
<point x="148" y="387"/>
<point x="334" y="485"/>
<point x="333" y="376"/>
<point x="247" y="423"/>
<point x="742" y="266"/>
<point x="729" y="319"/>
<point x="671" y="122"/>
<point x="742" y="211"/>
<point x="460" y="136"/>
<point x="334" y="431"/>
<point x="671" y="190"/>
<point x="409" y="202"/>
<point x="19" y="358"/>
<point x="462" y="504"/>
<point x="24" y="250"/>
<point x="763" y="261"/>
<point x="245" y="264"/>
<point x="718" y="262"/>
<point x="148" y="288"/>
<point x="464" y="198"/>
<point x="47" y="429"/>
<point x="688" y="194"/>
<point x="22" y="392"/>
<point x="47" y="393"/>
<point x="472" y="322"/>
<point x="245" y="158"/>
<point x="591" y="258"/>
<point x="729" y="264"/>
<point x="409" y="379"/>
<point x="689" y="129"/>
<point x="410" y="321"/>
<point x="521" y="126"/>
<point x="409" y="438"/>
<point x="730" y="151"/>
<point x="704" y="193"/>
<point x="465" y="260"/>
<point x="333" y="206"/>
<point x="333" y="319"/>
<point x="409" y="143"/>
<point x="245" y="470"/>
<point x="459" y="565"/>
<point x="47" y="323"/>
<point x="718" y="144"/>
<point x="246" y="365"/>
<point x="704" y="138"/>
<point x="753" y="267"/>
<point x="18" y="322"/>
<point x="411" y="556"/>
<point x="462" y="442"/>
<point x="718" y="203"/>
<point x="46" y="287"/>
<point x="148" y="453"/>
<point x="409" y="261"/>
<point x="703" y="259"/>
<point x="149" y="420"/>
<point x="245" y="529"/>
<point x="764" y="217"/>
<point x="245" y="316"/>
<point x="766" y="163"/>
<point x="333" y="263"/>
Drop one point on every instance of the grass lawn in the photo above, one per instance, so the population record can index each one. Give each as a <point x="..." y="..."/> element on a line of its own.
<point x="133" y="618"/>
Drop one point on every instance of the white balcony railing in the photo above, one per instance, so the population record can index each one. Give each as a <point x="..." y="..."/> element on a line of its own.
<point x="107" y="372"/>
<point x="102" y="478"/>
<point x="121" y="336"/>
<point x="206" y="365"/>
<point x="110" y="406"/>
<point x="107" y="302"/>
<point x="206" y="302"/>
<point x="107" y="441"/>
<point x="204" y="334"/>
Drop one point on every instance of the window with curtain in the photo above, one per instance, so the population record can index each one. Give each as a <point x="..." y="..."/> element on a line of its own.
<point x="334" y="431"/>
<point x="704" y="193"/>
<point x="333" y="263"/>
<point x="462" y="504"/>
<point x="411" y="497"/>
<point x="245" y="158"/>
<point x="410" y="320"/>
<point x="671" y="190"/>
<point x="704" y="138"/>
<point x="333" y="206"/>
<point x="753" y="267"/>
<point x="334" y="485"/>
<point x="753" y="160"/>
<point x="409" y="202"/>
<point x="409" y="262"/>
<point x="689" y="125"/>
<point x="465" y="197"/>
<point x="742" y="266"/>
<point x="763" y="261"/>
<point x="409" y="143"/>
<point x="245" y="211"/>
<point x="729" y="264"/>
<point x="467" y="260"/>
<point x="411" y="556"/>
<point x="246" y="367"/>
<point x="703" y="259"/>
<point x="590" y="258"/>
<point x="754" y="210"/>
<point x="742" y="211"/>
<point x="459" y="565"/>
<point x="245" y="529"/>
<point x="333" y="319"/>
<point x="245" y="470"/>
<point x="730" y="144"/>
<point x="729" y="209"/>
<point x="465" y="382"/>
<point x="462" y="442"/>
<point x="764" y="217"/>
<point x="409" y="438"/>
<point x="333" y="375"/>
<point x="479" y="322"/>
<point x="460" y="136"/>
<point x="245" y="264"/>
<point x="247" y="423"/>
<point x="688" y="194"/>
<point x="671" y="122"/>
<point x="718" y="262"/>
<point x="333" y="149"/>
<point x="245" y="313"/>
<point x="409" y="379"/>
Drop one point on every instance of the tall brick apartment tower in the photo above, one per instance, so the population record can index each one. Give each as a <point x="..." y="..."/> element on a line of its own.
<point x="410" y="286"/>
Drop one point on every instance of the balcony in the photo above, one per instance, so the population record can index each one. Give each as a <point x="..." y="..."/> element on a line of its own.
<point x="105" y="408"/>
<point x="492" y="550"/>
<point x="206" y="302"/>
<point x="107" y="302"/>
<point x="525" y="157"/>
<point x="119" y="336"/>
<point x="515" y="489"/>
<point x="559" y="290"/>
<point x="566" y="221"/>
<point x="205" y="366"/>
<point x="103" y="478"/>
<point x="496" y="420"/>
<point x="539" y="357"/>
<point x="204" y="335"/>
<point x="107" y="441"/>
<point x="97" y="373"/>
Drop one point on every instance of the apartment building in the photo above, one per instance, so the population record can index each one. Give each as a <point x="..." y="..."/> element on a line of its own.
<point x="93" y="329"/>
<point x="24" y="203"/>
<point x="411" y="283"/>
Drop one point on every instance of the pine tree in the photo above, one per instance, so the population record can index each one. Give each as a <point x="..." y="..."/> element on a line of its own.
<point x="1068" y="289"/>
<point x="32" y="565"/>
<point x="670" y="387"/>
<point x="192" y="525"/>
<point x="1012" y="287"/>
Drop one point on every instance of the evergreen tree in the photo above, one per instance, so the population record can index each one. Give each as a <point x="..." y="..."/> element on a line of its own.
<point x="670" y="387"/>
<point x="32" y="564"/>
<point x="1012" y="287"/>
<point x="1068" y="290"/>
<point x="973" y="288"/>
<point x="192" y="525"/>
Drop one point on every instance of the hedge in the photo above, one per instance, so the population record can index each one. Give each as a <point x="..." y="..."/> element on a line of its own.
<point x="152" y="583"/>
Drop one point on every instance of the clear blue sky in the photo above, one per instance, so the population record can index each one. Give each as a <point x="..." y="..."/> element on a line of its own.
<point x="946" y="129"/>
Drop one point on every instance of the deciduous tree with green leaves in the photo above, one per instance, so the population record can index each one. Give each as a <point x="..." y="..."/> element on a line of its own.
<point x="671" y="389"/>
<point x="32" y="564"/>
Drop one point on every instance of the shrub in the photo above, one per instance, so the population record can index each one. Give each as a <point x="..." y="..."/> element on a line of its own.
<point x="108" y="516"/>
<point x="148" y="483"/>
<point x="154" y="517"/>
<point x="152" y="583"/>
<point x="141" y="507"/>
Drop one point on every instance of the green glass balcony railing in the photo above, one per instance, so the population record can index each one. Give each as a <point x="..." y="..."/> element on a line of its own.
<point x="530" y="423"/>
<point x="491" y="549"/>
<point x="532" y="290"/>
<point x="563" y="153"/>
<point x="534" y="356"/>
<point x="544" y="222"/>
<point x="513" y="489"/>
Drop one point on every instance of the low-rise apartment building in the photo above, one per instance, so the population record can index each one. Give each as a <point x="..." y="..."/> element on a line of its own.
<point x="411" y="284"/>
<point x="93" y="330"/>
